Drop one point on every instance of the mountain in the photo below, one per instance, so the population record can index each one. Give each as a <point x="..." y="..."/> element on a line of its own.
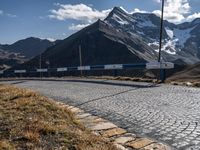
<point x="9" y="59"/>
<point x="101" y="44"/>
<point x="181" y="43"/>
<point x="29" y="47"/>
<point x="125" y="38"/>
<point x="22" y="51"/>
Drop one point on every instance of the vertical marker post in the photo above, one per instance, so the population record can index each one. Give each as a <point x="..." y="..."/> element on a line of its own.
<point x="162" y="71"/>
<point x="80" y="58"/>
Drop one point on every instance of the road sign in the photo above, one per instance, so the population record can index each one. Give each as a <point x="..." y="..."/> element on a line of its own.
<point x="42" y="70"/>
<point x="61" y="69"/>
<point x="115" y="66"/>
<point x="167" y="65"/>
<point x="20" y="71"/>
<point x="84" y="68"/>
<point x="159" y="65"/>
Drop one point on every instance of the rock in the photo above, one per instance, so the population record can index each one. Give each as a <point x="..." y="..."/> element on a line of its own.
<point x="113" y="132"/>
<point x="103" y="126"/>
<point x="140" y="143"/>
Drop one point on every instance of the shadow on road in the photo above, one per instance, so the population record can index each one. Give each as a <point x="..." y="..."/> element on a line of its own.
<point x="105" y="82"/>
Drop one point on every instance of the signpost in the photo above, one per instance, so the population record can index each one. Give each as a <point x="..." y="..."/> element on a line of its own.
<point x="162" y="71"/>
<point x="159" y="65"/>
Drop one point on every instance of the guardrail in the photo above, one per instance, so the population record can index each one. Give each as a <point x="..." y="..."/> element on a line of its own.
<point x="152" y="65"/>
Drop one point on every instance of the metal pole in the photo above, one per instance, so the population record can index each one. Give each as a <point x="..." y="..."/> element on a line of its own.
<point x="162" y="71"/>
<point x="40" y="66"/>
<point x="161" y="31"/>
<point x="80" y="58"/>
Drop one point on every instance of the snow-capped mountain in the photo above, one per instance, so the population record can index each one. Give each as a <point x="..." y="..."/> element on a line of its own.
<point x="181" y="42"/>
<point x="125" y="38"/>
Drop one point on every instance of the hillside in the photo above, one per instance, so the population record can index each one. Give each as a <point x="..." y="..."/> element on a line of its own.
<point x="125" y="38"/>
<point x="9" y="59"/>
<point x="181" y="42"/>
<point x="101" y="44"/>
<point x="29" y="47"/>
<point x="22" y="51"/>
<point x="191" y="73"/>
<point x="31" y="121"/>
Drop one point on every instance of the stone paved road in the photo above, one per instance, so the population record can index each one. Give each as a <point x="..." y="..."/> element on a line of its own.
<point x="167" y="113"/>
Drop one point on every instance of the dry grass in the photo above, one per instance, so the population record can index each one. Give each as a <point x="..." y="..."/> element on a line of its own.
<point x="120" y="78"/>
<point x="190" y="83"/>
<point x="31" y="121"/>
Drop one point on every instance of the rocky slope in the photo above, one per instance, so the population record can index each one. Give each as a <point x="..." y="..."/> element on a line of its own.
<point x="21" y="51"/>
<point x="125" y="38"/>
<point x="29" y="47"/>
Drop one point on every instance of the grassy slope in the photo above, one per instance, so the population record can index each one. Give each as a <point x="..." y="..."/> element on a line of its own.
<point x="191" y="73"/>
<point x="31" y="121"/>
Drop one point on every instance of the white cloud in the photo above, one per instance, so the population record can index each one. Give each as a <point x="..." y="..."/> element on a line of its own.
<point x="7" y="14"/>
<point x="176" y="11"/>
<point x="193" y="16"/>
<point x="11" y="15"/>
<point x="80" y="12"/>
<point x="158" y="1"/>
<point x="49" y="39"/>
<point x="78" y="27"/>
<point x="1" y="12"/>
<point x="136" y="10"/>
<point x="64" y="34"/>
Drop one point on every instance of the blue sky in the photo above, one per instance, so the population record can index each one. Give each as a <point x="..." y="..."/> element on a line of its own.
<point x="57" y="19"/>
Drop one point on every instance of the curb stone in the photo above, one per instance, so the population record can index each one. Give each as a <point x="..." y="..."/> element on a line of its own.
<point x="120" y="137"/>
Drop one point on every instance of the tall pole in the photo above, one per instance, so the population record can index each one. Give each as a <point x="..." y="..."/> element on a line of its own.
<point x="162" y="71"/>
<point x="161" y="31"/>
<point x="80" y="58"/>
<point x="40" y="62"/>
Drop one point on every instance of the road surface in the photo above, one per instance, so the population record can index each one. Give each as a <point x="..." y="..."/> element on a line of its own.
<point x="167" y="113"/>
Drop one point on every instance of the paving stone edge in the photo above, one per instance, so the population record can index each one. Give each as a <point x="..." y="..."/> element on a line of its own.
<point x="111" y="132"/>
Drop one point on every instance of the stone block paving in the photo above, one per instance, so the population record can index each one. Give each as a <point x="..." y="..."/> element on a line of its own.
<point x="166" y="113"/>
<point x="118" y="136"/>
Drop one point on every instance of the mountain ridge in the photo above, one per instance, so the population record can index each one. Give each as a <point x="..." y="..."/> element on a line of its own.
<point x="28" y="47"/>
<point x="22" y="50"/>
<point x="124" y="38"/>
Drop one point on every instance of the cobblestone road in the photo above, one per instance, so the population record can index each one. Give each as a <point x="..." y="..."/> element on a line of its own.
<point x="167" y="113"/>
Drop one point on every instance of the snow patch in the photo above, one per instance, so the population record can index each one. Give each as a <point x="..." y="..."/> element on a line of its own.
<point x="169" y="46"/>
<point x="146" y="23"/>
<point x="119" y="20"/>
<point x="182" y="35"/>
<point x="170" y="33"/>
<point x="141" y="33"/>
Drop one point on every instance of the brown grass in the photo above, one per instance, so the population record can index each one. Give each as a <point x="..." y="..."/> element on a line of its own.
<point x="121" y="78"/>
<point x="31" y="121"/>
